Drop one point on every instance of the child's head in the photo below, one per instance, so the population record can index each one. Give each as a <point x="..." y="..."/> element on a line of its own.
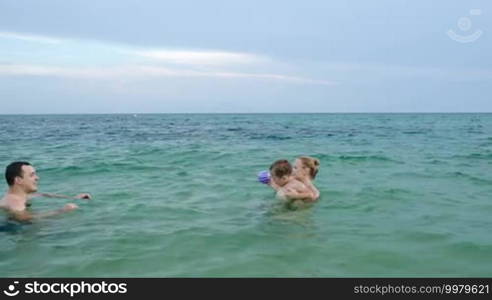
<point x="281" y="171"/>
<point x="306" y="166"/>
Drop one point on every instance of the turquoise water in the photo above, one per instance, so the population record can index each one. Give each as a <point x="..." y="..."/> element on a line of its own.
<point x="176" y="195"/>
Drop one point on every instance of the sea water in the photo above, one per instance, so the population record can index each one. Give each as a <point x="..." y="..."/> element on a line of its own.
<point x="176" y="195"/>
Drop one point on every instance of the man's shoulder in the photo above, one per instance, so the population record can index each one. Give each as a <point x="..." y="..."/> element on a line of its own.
<point x="12" y="203"/>
<point x="3" y="202"/>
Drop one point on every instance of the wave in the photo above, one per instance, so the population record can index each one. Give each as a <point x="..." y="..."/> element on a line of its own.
<point x="485" y="156"/>
<point x="60" y="169"/>
<point x="354" y="158"/>
<point x="473" y="247"/>
<point x="271" y="137"/>
<point x="235" y="129"/>
<point x="412" y="174"/>
<point x="10" y="227"/>
<point x="436" y="162"/>
<point x="100" y="167"/>
<point x="415" y="132"/>
<point x="470" y="177"/>
<point x="427" y="236"/>
<point x="366" y="158"/>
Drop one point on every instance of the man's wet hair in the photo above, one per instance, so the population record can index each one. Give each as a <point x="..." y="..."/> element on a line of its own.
<point x="14" y="170"/>
<point x="281" y="168"/>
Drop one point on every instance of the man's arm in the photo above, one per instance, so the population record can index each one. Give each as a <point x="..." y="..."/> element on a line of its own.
<point x="50" y="195"/>
<point x="25" y="216"/>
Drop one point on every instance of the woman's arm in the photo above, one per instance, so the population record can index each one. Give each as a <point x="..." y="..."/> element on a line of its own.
<point x="305" y="195"/>
<point x="313" y="189"/>
<point x="309" y="184"/>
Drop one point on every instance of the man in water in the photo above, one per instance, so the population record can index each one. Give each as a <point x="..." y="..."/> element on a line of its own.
<point x="23" y="183"/>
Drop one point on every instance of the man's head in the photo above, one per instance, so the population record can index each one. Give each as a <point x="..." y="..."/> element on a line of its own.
<point x="21" y="174"/>
<point x="281" y="171"/>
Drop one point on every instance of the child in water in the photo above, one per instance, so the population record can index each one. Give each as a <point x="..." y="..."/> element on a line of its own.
<point x="291" y="187"/>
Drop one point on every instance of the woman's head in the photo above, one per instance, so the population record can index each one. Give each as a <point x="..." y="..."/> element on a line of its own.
<point x="307" y="166"/>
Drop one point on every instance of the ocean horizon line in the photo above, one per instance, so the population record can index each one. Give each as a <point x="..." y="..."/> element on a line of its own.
<point x="241" y="113"/>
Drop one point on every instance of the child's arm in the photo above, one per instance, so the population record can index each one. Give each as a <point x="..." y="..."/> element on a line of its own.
<point x="273" y="185"/>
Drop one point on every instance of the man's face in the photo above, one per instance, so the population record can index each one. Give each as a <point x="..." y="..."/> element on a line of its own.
<point x="29" y="179"/>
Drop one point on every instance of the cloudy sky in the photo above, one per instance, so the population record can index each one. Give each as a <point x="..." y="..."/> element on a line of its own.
<point x="153" y="56"/>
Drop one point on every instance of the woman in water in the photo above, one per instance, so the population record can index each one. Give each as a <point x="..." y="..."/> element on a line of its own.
<point x="293" y="184"/>
<point x="305" y="170"/>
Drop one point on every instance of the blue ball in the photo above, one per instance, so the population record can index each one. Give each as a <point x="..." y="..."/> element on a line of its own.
<point x="264" y="177"/>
